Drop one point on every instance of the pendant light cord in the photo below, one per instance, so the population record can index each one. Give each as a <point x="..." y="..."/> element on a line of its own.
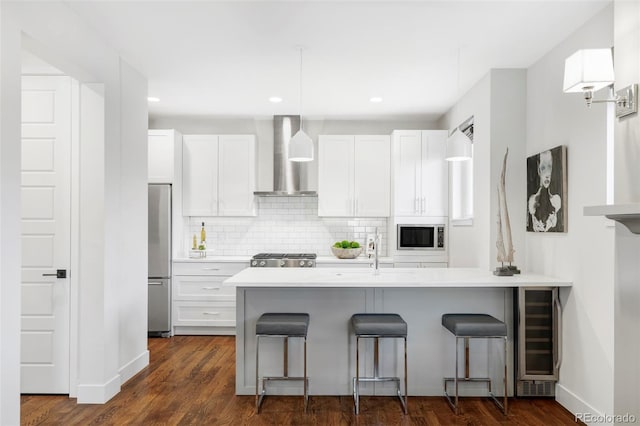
<point x="300" y="90"/>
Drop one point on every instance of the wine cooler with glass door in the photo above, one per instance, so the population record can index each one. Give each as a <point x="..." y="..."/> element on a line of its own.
<point x="538" y="341"/>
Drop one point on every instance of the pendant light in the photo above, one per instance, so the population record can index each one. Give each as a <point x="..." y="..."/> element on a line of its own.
<point x="300" y="145"/>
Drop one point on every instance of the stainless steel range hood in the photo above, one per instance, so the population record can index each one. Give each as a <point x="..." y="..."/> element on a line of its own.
<point x="290" y="178"/>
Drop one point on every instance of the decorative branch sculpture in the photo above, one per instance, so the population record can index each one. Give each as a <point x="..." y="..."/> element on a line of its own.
<point x="505" y="254"/>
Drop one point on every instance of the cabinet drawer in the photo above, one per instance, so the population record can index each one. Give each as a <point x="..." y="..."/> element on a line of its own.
<point x="206" y="314"/>
<point x="202" y="288"/>
<point x="226" y="269"/>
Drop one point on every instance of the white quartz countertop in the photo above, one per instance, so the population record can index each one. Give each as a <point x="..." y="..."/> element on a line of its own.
<point x="386" y="277"/>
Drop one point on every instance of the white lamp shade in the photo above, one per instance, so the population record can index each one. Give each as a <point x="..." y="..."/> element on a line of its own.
<point x="458" y="147"/>
<point x="300" y="147"/>
<point x="588" y="69"/>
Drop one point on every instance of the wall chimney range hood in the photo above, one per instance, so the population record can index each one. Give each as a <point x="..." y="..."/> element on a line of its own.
<point x="290" y="178"/>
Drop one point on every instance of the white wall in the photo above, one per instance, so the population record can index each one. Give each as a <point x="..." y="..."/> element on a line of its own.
<point x="63" y="40"/>
<point x="469" y="245"/>
<point x="584" y="253"/>
<point x="497" y="103"/>
<point x="10" y="243"/>
<point x="132" y="274"/>
<point x="627" y="190"/>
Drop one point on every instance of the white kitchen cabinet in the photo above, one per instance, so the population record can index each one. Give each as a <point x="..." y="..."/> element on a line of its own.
<point x="200" y="303"/>
<point x="354" y="175"/>
<point x="219" y="175"/>
<point x="420" y="173"/>
<point x="164" y="155"/>
<point x="237" y="175"/>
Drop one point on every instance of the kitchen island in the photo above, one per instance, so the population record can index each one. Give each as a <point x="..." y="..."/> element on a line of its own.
<point x="332" y="295"/>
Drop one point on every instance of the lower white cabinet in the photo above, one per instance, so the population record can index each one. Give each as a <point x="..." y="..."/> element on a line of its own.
<point x="200" y="303"/>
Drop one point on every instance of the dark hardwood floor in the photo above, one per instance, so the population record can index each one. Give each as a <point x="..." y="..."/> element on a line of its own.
<point x="191" y="381"/>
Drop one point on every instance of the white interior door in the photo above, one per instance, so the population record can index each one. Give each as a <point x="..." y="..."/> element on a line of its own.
<point x="46" y="245"/>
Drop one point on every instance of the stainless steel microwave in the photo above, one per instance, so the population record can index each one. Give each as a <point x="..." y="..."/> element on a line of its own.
<point x="421" y="237"/>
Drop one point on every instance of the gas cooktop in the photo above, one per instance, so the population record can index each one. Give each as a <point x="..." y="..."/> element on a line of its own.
<point x="284" y="260"/>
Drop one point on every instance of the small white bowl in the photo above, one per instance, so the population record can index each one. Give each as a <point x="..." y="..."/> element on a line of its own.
<point x="346" y="253"/>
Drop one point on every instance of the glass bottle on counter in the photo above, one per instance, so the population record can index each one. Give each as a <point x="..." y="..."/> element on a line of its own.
<point x="203" y="237"/>
<point x="195" y="243"/>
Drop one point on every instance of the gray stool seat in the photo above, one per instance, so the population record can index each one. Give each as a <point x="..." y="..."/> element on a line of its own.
<point x="382" y="325"/>
<point x="474" y="325"/>
<point x="377" y="326"/>
<point x="283" y="324"/>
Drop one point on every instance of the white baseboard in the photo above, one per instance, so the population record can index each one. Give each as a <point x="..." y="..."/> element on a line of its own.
<point x="99" y="394"/>
<point x="133" y="367"/>
<point x="573" y="403"/>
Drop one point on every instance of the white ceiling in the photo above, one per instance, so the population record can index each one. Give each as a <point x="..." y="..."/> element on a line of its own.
<point x="227" y="58"/>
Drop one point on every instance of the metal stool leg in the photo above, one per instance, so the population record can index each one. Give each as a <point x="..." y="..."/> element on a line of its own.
<point x="306" y="380"/>
<point x="406" y="385"/>
<point x="505" y="377"/>
<point x="356" y="384"/>
<point x="258" y="400"/>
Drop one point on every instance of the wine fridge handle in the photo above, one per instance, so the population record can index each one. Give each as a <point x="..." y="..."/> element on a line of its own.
<point x="556" y="302"/>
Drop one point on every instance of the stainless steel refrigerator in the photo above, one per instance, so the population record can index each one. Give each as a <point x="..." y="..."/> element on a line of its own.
<point x="159" y="310"/>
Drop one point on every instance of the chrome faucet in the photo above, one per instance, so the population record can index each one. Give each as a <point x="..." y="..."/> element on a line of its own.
<point x="376" y="243"/>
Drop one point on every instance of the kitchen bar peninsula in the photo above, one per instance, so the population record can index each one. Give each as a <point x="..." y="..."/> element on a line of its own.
<point x="331" y="295"/>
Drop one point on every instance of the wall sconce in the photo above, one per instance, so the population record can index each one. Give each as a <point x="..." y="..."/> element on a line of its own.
<point x="589" y="70"/>
<point x="459" y="142"/>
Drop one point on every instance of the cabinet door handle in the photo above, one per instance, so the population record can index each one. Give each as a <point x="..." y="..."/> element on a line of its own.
<point x="558" y="307"/>
<point x="415" y="205"/>
<point x="424" y="204"/>
<point x="210" y="269"/>
<point x="211" y="288"/>
<point x="211" y="313"/>
<point x="355" y="207"/>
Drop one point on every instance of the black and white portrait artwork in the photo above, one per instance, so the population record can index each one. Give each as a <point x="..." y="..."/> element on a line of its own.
<point x="547" y="191"/>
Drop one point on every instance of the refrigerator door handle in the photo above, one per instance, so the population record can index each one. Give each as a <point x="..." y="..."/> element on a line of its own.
<point x="556" y="302"/>
<point x="155" y="283"/>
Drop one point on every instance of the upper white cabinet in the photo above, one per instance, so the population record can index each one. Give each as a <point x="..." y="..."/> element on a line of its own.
<point x="420" y="173"/>
<point x="354" y="175"/>
<point x="164" y="155"/>
<point x="219" y="175"/>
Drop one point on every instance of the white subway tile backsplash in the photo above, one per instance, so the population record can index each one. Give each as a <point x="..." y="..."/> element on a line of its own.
<point x="283" y="224"/>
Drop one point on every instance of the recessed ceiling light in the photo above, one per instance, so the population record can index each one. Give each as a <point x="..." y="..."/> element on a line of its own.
<point x="376" y="99"/>
<point x="153" y="99"/>
<point x="275" y="99"/>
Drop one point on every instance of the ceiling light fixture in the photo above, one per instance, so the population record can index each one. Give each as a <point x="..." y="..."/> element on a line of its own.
<point x="153" y="99"/>
<point x="375" y="100"/>
<point x="589" y="70"/>
<point x="275" y="99"/>
<point x="300" y="145"/>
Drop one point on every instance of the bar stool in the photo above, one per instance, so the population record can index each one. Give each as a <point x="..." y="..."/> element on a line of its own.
<point x="283" y="325"/>
<point x="378" y="326"/>
<point x="474" y="326"/>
